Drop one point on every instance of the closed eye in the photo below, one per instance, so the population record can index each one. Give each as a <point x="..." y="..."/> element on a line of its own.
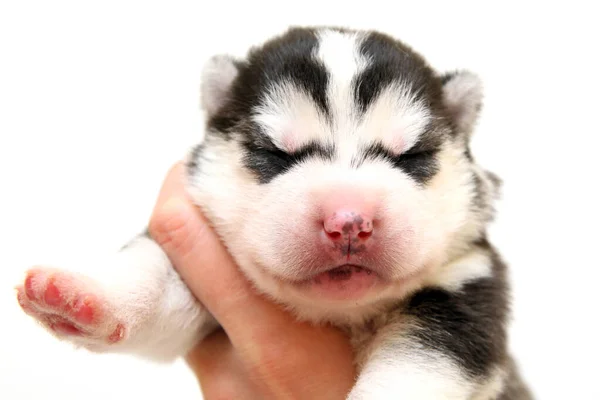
<point x="419" y="164"/>
<point x="269" y="162"/>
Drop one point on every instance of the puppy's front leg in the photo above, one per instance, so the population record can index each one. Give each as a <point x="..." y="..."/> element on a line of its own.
<point x="401" y="369"/>
<point x="134" y="302"/>
<point x="442" y="344"/>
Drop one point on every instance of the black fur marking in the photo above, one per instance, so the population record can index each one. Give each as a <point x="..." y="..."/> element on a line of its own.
<point x="290" y="58"/>
<point x="392" y="61"/>
<point x="420" y="164"/>
<point x="267" y="162"/>
<point x="468" y="325"/>
<point x="286" y="58"/>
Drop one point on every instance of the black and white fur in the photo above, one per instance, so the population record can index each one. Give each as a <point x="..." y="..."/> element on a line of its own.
<point x="310" y="114"/>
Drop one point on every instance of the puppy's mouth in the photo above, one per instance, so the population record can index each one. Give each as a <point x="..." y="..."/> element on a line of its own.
<point x="344" y="282"/>
<point x="342" y="273"/>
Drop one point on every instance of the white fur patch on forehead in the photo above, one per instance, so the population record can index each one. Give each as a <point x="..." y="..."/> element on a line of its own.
<point x="340" y="54"/>
<point x="396" y="119"/>
<point x="290" y="117"/>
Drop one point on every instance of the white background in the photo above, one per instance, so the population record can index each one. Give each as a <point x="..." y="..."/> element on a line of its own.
<point x="98" y="99"/>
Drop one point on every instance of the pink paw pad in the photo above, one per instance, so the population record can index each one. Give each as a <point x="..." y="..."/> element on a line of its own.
<point x="67" y="306"/>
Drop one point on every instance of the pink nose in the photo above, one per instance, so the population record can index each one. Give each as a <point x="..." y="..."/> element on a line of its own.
<point x="348" y="225"/>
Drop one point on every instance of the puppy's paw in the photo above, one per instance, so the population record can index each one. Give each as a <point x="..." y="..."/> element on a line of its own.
<point x="71" y="307"/>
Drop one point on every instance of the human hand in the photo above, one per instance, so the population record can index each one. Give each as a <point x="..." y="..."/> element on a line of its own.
<point x="261" y="352"/>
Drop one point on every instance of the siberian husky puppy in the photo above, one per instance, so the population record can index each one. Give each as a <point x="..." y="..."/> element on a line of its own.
<point x="336" y="168"/>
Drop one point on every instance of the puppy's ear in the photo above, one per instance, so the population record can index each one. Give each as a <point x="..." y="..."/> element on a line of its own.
<point x="218" y="75"/>
<point x="463" y="97"/>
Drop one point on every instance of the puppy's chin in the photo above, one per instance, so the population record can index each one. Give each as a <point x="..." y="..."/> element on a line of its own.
<point x="344" y="295"/>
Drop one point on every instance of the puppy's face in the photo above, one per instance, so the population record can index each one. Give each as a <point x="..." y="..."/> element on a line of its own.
<point x="336" y="168"/>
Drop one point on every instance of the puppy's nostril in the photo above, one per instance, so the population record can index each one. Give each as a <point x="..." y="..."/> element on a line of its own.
<point x="334" y="235"/>
<point x="364" y="234"/>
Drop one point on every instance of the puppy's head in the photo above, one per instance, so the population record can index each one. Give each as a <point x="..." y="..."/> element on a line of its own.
<point x="336" y="168"/>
